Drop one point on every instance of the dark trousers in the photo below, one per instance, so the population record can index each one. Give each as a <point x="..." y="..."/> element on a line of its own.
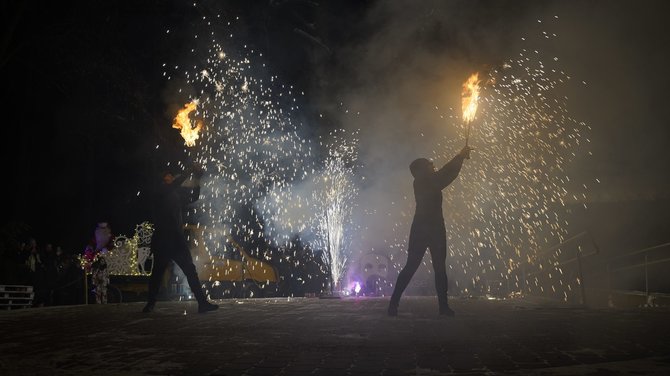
<point x="182" y="257"/>
<point x="420" y="238"/>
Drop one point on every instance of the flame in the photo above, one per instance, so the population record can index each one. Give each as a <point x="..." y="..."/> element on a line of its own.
<point x="183" y="123"/>
<point x="470" y="97"/>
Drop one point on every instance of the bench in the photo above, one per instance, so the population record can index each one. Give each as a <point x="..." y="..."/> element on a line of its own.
<point x="16" y="296"/>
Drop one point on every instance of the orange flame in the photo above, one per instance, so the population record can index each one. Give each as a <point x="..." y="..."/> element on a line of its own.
<point x="183" y="123"/>
<point x="470" y="97"/>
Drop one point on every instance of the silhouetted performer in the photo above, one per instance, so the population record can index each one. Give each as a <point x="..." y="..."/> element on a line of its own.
<point x="169" y="241"/>
<point x="428" y="229"/>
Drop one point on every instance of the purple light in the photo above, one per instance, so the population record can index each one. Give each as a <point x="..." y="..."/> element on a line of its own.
<point x="357" y="287"/>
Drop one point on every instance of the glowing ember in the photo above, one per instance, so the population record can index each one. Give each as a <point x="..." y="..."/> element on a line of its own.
<point x="470" y="97"/>
<point x="185" y="126"/>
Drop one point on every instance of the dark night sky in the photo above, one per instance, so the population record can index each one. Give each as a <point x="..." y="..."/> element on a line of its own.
<point x="87" y="100"/>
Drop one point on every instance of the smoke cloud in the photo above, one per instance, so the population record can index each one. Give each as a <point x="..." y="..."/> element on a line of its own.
<point x="403" y="85"/>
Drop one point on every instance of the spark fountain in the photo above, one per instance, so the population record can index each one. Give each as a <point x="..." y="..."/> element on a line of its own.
<point x="336" y="191"/>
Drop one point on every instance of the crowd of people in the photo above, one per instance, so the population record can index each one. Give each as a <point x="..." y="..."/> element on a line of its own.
<point x="55" y="275"/>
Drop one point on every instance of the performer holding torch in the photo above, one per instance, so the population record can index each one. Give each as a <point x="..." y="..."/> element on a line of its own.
<point x="169" y="242"/>
<point x="428" y="230"/>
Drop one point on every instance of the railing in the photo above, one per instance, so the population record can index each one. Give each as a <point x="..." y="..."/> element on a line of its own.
<point x="579" y="256"/>
<point x="645" y="264"/>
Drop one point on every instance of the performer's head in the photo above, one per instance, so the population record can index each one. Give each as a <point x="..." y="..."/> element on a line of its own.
<point x="421" y="167"/>
<point x="168" y="178"/>
<point x="170" y="173"/>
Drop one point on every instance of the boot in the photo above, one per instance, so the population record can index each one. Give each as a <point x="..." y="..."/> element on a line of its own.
<point x="392" y="310"/>
<point x="207" y="306"/>
<point x="446" y="311"/>
<point x="443" y="301"/>
<point x="149" y="307"/>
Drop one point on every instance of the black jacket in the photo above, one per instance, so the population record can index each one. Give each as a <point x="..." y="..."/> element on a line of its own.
<point x="170" y="204"/>
<point x="428" y="192"/>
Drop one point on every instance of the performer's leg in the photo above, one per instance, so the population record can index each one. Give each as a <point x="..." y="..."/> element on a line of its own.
<point x="184" y="260"/>
<point x="415" y="252"/>
<point x="438" y="253"/>
<point x="160" y="263"/>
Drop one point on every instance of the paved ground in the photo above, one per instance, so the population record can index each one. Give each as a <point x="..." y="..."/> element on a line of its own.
<point x="351" y="336"/>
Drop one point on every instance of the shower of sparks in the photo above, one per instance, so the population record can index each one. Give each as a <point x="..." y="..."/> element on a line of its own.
<point x="336" y="192"/>
<point x="511" y="199"/>
<point x="185" y="126"/>
<point x="320" y="207"/>
<point x="263" y="183"/>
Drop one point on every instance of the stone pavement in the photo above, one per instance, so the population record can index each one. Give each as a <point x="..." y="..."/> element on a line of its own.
<point x="349" y="336"/>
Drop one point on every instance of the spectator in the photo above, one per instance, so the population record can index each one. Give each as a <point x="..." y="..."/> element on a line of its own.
<point x="95" y="254"/>
<point x="50" y="272"/>
<point x="67" y="289"/>
<point x="36" y="272"/>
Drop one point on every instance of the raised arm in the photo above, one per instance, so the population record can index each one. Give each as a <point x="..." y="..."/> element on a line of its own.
<point x="449" y="172"/>
<point x="190" y="192"/>
<point x="180" y="179"/>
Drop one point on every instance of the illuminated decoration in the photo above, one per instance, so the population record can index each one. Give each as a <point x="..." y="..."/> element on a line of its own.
<point x="129" y="255"/>
<point x="88" y="259"/>
<point x="182" y="122"/>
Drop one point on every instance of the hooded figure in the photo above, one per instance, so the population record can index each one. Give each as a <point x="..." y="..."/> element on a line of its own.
<point x="428" y="229"/>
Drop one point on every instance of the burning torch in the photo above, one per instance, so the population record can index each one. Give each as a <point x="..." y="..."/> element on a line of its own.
<point x="469" y="99"/>
<point x="189" y="130"/>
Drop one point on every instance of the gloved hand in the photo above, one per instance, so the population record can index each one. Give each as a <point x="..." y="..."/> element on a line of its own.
<point x="465" y="152"/>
